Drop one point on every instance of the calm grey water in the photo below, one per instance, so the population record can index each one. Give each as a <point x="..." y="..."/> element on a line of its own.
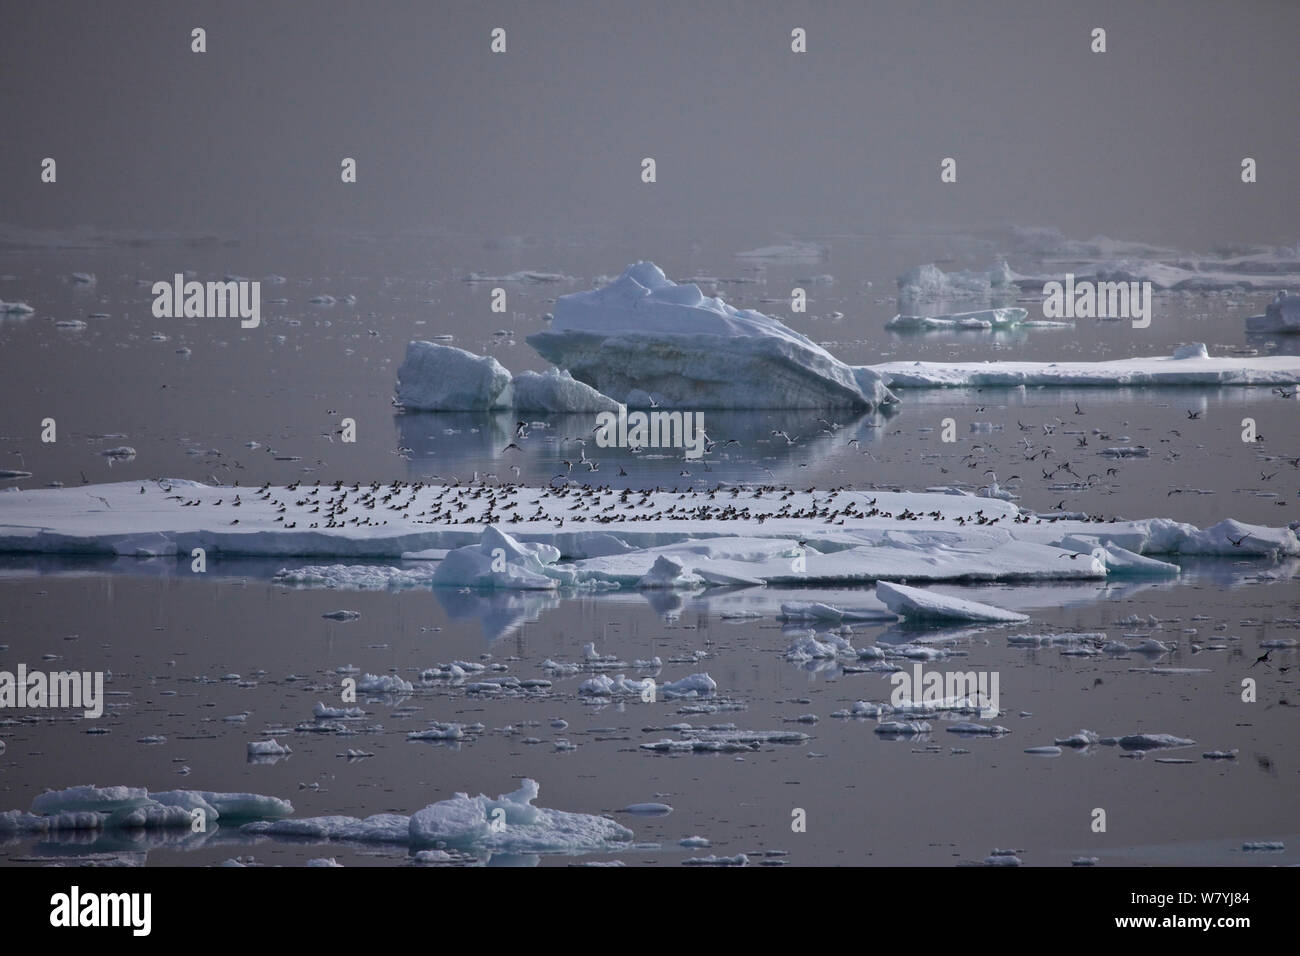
<point x="168" y="639"/>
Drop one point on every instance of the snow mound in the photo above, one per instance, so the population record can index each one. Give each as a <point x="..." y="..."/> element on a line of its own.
<point x="645" y="333"/>
<point x="499" y="561"/>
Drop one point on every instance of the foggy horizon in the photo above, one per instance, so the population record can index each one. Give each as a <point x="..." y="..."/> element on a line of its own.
<point x="1141" y="142"/>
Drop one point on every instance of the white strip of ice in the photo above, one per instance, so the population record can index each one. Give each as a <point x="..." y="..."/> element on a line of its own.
<point x="1192" y="368"/>
<point x="983" y="320"/>
<point x="749" y="537"/>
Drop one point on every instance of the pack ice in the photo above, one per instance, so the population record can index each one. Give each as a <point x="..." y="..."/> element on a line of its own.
<point x="643" y="337"/>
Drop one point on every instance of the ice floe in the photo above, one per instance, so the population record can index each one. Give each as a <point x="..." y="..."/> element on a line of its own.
<point x="1194" y="368"/>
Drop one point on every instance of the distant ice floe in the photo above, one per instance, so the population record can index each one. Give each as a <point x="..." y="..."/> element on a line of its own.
<point x="91" y="808"/>
<point x="981" y="321"/>
<point x="645" y="335"/>
<point x="1190" y="365"/>
<point x="1281" y="316"/>
<point x="15" y="308"/>
<point x="930" y="282"/>
<point x="797" y="251"/>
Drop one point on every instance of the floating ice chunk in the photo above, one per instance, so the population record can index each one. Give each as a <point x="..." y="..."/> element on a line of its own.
<point x="1153" y="741"/>
<point x="15" y="308"/>
<point x="1044" y="751"/>
<point x="738" y="860"/>
<point x="1194" y="350"/>
<point x="695" y="842"/>
<point x="92" y="798"/>
<point x="1265" y="846"/>
<point x="444" y="378"/>
<point x="902" y="728"/>
<point x="1084" y="738"/>
<point x="267" y="748"/>
<point x="972" y="729"/>
<point x="696" y="685"/>
<point x="645" y="333"/>
<point x="648" y="809"/>
<point x="557" y="391"/>
<point x="438" y="732"/>
<point x="916" y="604"/>
<point x="324" y="861"/>
<point x="465" y="822"/>
<point x="342" y="615"/>
<point x="385" y="684"/>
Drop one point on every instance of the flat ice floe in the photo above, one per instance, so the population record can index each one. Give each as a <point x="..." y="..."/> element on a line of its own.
<point x="569" y="537"/>
<point x="508" y="823"/>
<point x="644" y="339"/>
<point x="1186" y="367"/>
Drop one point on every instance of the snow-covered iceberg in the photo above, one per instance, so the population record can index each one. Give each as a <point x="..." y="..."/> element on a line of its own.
<point x="930" y="282"/>
<point x="645" y="336"/>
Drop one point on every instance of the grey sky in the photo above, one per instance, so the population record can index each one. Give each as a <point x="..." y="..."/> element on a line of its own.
<point x="1141" y="142"/>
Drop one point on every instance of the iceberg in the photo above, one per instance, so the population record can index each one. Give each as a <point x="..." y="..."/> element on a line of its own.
<point x="1282" y="315"/>
<point x="644" y="335"/>
<point x="443" y="378"/>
